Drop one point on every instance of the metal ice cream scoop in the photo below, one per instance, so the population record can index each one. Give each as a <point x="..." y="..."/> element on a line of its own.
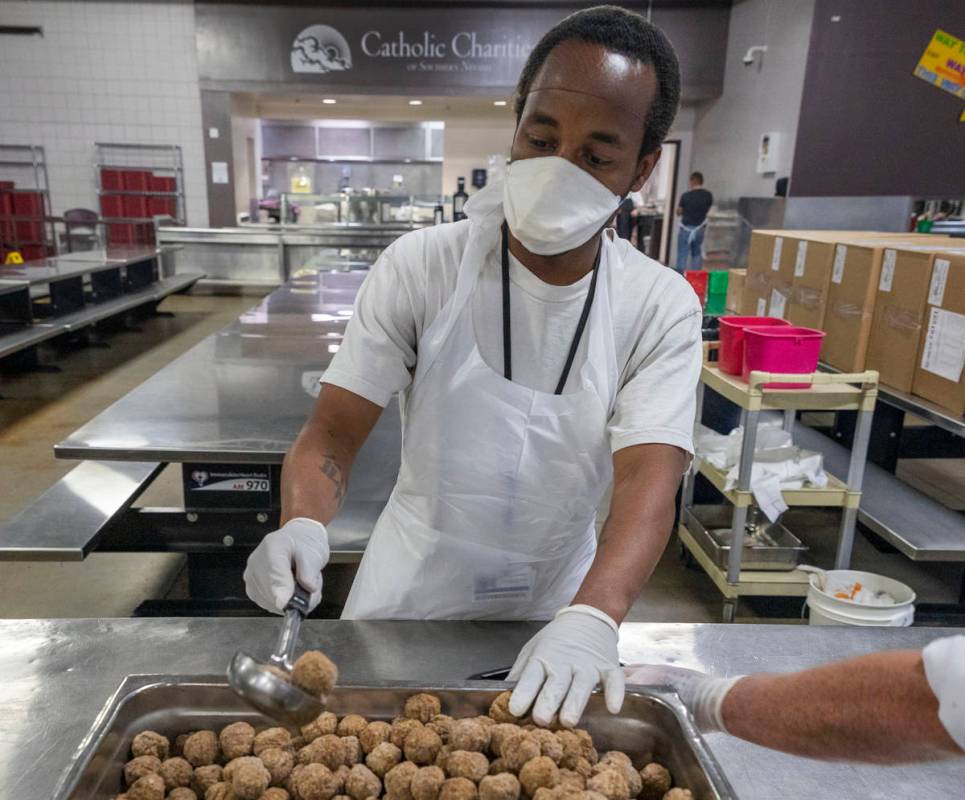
<point x="263" y="686"/>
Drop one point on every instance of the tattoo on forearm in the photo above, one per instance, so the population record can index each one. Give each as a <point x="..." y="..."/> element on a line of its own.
<point x="331" y="470"/>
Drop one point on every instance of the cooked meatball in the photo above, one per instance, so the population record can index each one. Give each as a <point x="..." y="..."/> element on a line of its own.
<point x="398" y="780"/>
<point x="571" y="780"/>
<point x="518" y="749"/>
<point x="325" y="723"/>
<point x="458" y="789"/>
<point x="441" y="723"/>
<point x="315" y="782"/>
<point x="426" y="783"/>
<point x="497" y="767"/>
<point x="422" y="746"/>
<point x="220" y="791"/>
<point x="539" y="772"/>
<point x="328" y="750"/>
<point x="228" y="773"/>
<point x="279" y="764"/>
<point x="549" y="744"/>
<point x="183" y="793"/>
<point x="383" y="758"/>
<point x="499" y="709"/>
<point x="401" y="728"/>
<point x="543" y="793"/>
<point x="485" y="721"/>
<point x="621" y="763"/>
<point x="679" y="794"/>
<point x="147" y="787"/>
<point x="315" y="673"/>
<point x="655" y="781"/>
<point x="204" y="777"/>
<point x="352" y="748"/>
<point x="611" y="783"/>
<point x="499" y="733"/>
<point x="250" y="779"/>
<point x="139" y="766"/>
<point x="351" y="725"/>
<point x="341" y="775"/>
<point x="271" y="737"/>
<point x="467" y="764"/>
<point x="615" y="757"/>
<point x="362" y="783"/>
<point x="201" y="748"/>
<point x="273" y="793"/>
<point x="422" y="707"/>
<point x="149" y="743"/>
<point x="374" y="734"/>
<point x="499" y="787"/>
<point x="586" y="744"/>
<point x="469" y="734"/>
<point x="588" y="795"/>
<point x="236" y="740"/>
<point x="176" y="772"/>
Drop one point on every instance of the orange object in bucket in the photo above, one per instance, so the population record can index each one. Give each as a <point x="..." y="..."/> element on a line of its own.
<point x="776" y="349"/>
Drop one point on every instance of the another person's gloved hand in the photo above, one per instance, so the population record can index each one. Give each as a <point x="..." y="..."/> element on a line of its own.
<point x="562" y="664"/>
<point x="299" y="549"/>
<point x="702" y="694"/>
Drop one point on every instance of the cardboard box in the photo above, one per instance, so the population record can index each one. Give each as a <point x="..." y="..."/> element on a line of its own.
<point x="900" y="312"/>
<point x="753" y="303"/>
<point x="811" y="276"/>
<point x="735" y="288"/>
<point x="941" y="359"/>
<point x="855" y="274"/>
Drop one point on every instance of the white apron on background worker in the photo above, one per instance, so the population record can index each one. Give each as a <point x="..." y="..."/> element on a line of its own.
<point x="493" y="515"/>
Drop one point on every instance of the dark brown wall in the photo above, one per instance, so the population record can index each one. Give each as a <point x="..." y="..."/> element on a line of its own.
<point x="868" y="126"/>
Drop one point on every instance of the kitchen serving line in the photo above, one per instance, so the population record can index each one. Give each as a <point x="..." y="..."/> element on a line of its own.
<point x="58" y="674"/>
<point x="226" y="412"/>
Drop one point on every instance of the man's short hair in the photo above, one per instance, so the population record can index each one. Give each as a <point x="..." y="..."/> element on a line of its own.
<point x="697" y="176"/>
<point x="629" y="34"/>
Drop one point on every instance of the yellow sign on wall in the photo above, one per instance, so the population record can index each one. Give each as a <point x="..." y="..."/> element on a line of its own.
<point x="943" y="63"/>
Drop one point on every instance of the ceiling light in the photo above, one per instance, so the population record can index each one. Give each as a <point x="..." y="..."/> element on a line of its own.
<point x="329" y="101"/>
<point x="499" y="102"/>
<point x="415" y="102"/>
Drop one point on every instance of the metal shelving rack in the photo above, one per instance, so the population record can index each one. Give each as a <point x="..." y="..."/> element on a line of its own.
<point x="827" y="392"/>
<point x="158" y="158"/>
<point x="16" y="160"/>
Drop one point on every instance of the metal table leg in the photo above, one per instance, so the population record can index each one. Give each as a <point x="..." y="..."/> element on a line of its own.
<point x="749" y="420"/>
<point x="849" y="516"/>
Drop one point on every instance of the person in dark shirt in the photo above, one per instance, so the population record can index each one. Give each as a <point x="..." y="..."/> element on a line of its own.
<point x="692" y="210"/>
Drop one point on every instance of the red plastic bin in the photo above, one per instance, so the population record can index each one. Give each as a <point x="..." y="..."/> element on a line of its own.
<point x="698" y="278"/>
<point x="136" y="180"/>
<point x="731" y="355"/>
<point x="112" y="206"/>
<point x="135" y="206"/>
<point x="781" y="349"/>
<point x="27" y="204"/>
<point x="112" y="179"/>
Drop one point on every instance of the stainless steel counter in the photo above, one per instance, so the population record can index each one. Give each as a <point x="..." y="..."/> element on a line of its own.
<point x="59" y="673"/>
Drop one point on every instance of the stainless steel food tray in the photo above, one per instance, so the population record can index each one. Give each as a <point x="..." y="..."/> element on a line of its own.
<point x="653" y="725"/>
<point x="784" y="554"/>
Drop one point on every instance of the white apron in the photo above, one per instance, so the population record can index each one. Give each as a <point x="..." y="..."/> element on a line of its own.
<point x="493" y="515"/>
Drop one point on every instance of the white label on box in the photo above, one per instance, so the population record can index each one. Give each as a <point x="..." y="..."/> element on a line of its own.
<point x="887" y="271"/>
<point x="944" y="351"/>
<point x="776" y="254"/>
<point x="761" y="306"/>
<point x="939" y="277"/>
<point x="778" y="302"/>
<point x="840" y="254"/>
<point x="802" y="254"/>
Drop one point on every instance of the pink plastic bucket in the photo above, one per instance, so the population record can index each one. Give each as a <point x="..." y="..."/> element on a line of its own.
<point x="781" y="349"/>
<point x="731" y="355"/>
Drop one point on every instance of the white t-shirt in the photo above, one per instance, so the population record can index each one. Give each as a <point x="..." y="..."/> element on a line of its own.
<point x="656" y="319"/>
<point x="944" y="661"/>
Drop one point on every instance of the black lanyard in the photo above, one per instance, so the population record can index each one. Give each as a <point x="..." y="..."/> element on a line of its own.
<point x="580" y="326"/>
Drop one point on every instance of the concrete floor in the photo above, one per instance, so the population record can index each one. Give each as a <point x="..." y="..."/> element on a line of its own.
<point x="39" y="409"/>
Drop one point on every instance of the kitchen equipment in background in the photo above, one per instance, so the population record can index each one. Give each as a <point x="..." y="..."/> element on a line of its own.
<point x="767" y="545"/>
<point x="478" y="178"/>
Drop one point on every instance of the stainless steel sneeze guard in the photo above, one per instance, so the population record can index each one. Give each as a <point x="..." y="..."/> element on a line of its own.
<point x="653" y="724"/>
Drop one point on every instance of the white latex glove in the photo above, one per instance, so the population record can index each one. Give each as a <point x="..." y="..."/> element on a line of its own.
<point x="563" y="663"/>
<point x="299" y="549"/>
<point x="702" y="694"/>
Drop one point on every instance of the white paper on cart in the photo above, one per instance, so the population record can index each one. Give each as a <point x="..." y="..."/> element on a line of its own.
<point x="775" y="471"/>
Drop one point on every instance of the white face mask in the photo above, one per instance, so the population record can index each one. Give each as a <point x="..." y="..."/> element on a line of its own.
<point x="551" y="205"/>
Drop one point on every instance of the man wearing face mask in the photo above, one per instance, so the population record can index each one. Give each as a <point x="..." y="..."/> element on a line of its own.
<point x="538" y="359"/>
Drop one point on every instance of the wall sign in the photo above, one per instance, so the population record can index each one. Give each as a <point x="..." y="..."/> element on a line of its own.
<point x="943" y="63"/>
<point x="261" y="47"/>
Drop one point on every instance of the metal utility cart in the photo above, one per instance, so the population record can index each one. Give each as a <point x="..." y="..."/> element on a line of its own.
<point x="827" y="392"/>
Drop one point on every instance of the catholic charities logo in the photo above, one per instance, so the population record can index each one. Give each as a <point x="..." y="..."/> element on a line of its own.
<point x="319" y="49"/>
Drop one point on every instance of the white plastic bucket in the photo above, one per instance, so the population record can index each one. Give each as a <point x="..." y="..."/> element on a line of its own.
<point x="826" y="609"/>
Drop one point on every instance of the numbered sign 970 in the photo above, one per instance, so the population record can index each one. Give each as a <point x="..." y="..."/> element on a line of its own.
<point x="227" y="486"/>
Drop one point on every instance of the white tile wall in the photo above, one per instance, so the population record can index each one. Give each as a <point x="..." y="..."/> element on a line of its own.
<point x="105" y="72"/>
